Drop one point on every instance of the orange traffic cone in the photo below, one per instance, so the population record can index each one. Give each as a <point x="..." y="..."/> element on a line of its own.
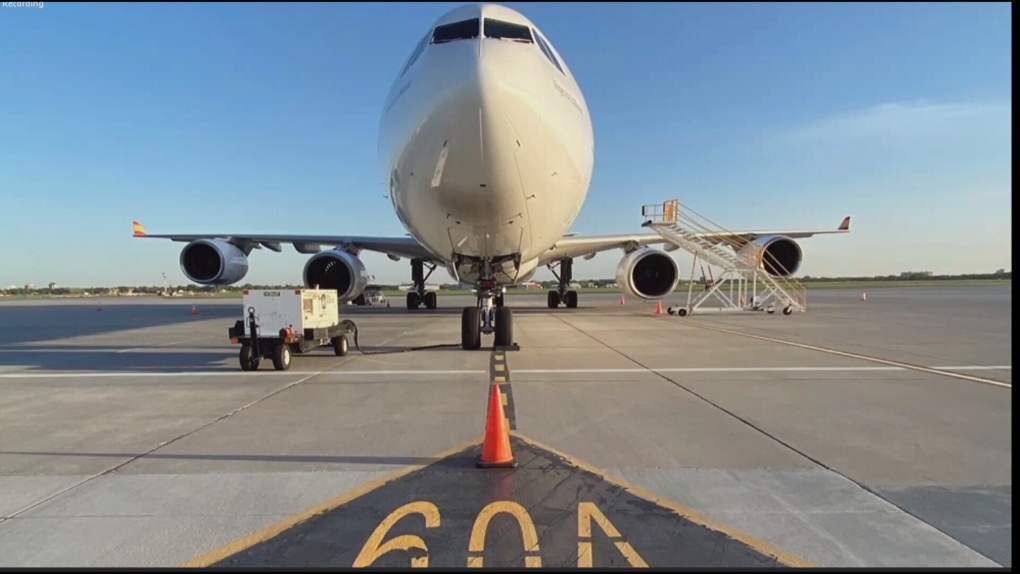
<point x="496" y="452"/>
<point x="194" y="310"/>
<point x="623" y="300"/>
<point x="658" y="308"/>
<point x="864" y="296"/>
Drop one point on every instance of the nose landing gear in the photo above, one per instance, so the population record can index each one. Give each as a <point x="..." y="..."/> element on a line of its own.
<point x="489" y="316"/>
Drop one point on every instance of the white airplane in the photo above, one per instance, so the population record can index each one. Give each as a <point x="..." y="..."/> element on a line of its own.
<point x="488" y="148"/>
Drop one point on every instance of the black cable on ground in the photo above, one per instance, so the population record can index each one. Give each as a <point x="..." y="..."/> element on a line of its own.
<point x="353" y="327"/>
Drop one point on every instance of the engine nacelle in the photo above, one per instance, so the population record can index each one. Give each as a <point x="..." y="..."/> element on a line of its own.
<point x="213" y="262"/>
<point x="778" y="255"/>
<point x="647" y="273"/>
<point x="339" y="270"/>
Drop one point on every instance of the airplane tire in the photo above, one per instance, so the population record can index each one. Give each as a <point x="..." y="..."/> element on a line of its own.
<point x="504" y="327"/>
<point x="413" y="301"/>
<point x="470" y="329"/>
<point x="431" y="300"/>
<point x="554" y="299"/>
<point x="571" y="300"/>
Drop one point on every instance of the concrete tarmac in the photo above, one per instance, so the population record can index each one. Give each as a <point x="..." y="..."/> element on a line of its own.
<point x="859" y="433"/>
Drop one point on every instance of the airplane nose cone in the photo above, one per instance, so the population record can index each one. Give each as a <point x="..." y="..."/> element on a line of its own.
<point x="475" y="170"/>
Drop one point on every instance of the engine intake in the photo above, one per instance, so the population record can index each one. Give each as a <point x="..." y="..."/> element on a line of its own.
<point x="778" y="255"/>
<point x="647" y="273"/>
<point x="339" y="270"/>
<point x="213" y="262"/>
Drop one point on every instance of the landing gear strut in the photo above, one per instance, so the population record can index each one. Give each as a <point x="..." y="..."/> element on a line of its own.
<point x="486" y="318"/>
<point x="419" y="295"/>
<point x="564" y="277"/>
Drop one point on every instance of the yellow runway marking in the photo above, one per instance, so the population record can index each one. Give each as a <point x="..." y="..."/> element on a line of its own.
<point x="782" y="556"/>
<point x="224" y="552"/>
<point x="476" y="544"/>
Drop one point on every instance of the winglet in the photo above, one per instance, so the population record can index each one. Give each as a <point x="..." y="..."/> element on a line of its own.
<point x="845" y="226"/>
<point x="139" y="230"/>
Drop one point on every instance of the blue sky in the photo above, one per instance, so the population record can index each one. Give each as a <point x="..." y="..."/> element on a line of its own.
<point x="263" y="118"/>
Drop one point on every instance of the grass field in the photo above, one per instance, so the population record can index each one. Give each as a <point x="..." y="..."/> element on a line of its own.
<point x="809" y="286"/>
<point x="682" y="288"/>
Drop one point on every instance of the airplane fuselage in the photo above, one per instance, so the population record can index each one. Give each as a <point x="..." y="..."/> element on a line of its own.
<point x="487" y="144"/>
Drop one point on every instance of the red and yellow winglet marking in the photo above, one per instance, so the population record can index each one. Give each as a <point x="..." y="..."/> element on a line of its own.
<point x="845" y="226"/>
<point x="139" y="230"/>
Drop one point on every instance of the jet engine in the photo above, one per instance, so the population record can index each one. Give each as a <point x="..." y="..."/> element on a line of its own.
<point x="213" y="262"/>
<point x="779" y="256"/>
<point x="647" y="273"/>
<point x="337" y="269"/>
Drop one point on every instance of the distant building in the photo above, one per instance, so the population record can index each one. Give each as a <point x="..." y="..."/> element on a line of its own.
<point x="54" y="286"/>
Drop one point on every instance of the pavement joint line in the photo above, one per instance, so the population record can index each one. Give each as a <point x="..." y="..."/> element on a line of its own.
<point x="775" y="438"/>
<point x="223" y="552"/>
<point x="900" y="364"/>
<point x="122" y="464"/>
<point x="328" y="372"/>
<point x="170" y="344"/>
<point x="783" y="556"/>
<point x="721" y="408"/>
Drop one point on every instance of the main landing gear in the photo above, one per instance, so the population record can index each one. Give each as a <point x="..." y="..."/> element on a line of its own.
<point x="419" y="295"/>
<point x="489" y="316"/>
<point x="564" y="277"/>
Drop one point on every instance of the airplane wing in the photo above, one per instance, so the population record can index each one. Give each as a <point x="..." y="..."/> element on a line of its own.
<point x="588" y="247"/>
<point x="394" y="247"/>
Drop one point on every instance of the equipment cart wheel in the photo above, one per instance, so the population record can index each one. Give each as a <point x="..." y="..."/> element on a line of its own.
<point x="787" y="310"/>
<point x="340" y="345"/>
<point x="682" y="312"/>
<point x="247" y="358"/>
<point x="281" y="357"/>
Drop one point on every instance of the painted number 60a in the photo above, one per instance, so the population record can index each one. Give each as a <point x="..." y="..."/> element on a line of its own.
<point x="587" y="513"/>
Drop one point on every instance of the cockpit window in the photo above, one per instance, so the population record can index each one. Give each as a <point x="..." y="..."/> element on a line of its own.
<point x="416" y="54"/>
<point x="544" y="46"/>
<point x="506" y="31"/>
<point x="463" y="30"/>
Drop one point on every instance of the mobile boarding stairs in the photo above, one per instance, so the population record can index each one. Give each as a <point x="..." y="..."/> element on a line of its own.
<point x="743" y="283"/>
